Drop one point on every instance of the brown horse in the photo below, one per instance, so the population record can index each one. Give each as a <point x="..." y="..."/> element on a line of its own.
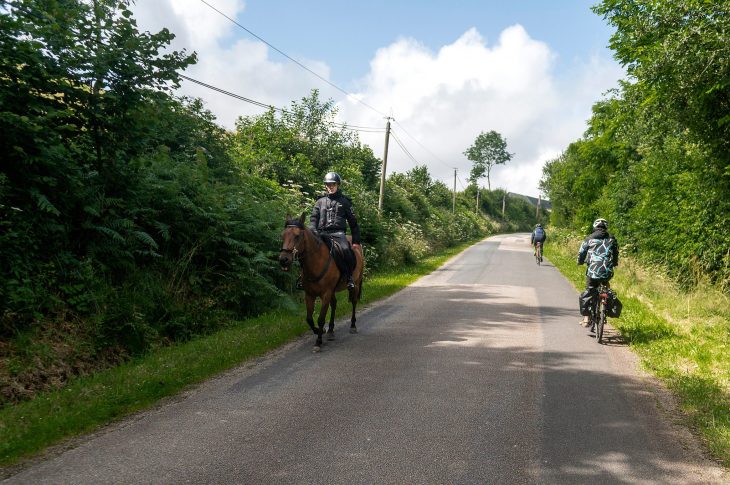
<point x="320" y="275"/>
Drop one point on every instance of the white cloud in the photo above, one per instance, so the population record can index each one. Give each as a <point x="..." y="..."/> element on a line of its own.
<point x="228" y="58"/>
<point x="444" y="99"/>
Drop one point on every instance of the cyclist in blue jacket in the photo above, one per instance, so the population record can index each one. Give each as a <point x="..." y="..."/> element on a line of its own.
<point x="600" y="252"/>
<point x="538" y="236"/>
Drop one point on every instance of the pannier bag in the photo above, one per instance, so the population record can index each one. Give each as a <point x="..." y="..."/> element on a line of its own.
<point x="587" y="300"/>
<point x="614" y="305"/>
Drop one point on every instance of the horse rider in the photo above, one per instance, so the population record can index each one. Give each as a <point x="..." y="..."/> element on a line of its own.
<point x="330" y="216"/>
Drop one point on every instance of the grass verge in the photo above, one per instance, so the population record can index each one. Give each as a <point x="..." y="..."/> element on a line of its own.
<point x="683" y="337"/>
<point x="87" y="403"/>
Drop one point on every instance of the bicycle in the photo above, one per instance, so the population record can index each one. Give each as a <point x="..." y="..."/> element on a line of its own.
<point x="598" y="312"/>
<point x="538" y="253"/>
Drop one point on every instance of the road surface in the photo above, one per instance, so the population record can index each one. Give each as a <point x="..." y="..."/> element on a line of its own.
<point x="477" y="373"/>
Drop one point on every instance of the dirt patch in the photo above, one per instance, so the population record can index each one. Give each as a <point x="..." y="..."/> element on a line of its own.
<point x="47" y="356"/>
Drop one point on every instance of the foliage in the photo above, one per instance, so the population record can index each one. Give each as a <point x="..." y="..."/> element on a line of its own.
<point x="489" y="149"/>
<point x="130" y="220"/>
<point x="654" y="159"/>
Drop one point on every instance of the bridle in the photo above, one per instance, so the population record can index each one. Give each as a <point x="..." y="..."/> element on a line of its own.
<point x="299" y="255"/>
<point x="293" y="250"/>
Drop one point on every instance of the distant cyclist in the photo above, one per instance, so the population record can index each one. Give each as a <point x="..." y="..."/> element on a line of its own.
<point x="538" y="236"/>
<point x="600" y="252"/>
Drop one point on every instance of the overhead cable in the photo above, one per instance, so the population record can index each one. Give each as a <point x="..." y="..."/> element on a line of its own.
<point x="367" y="129"/>
<point x="405" y="150"/>
<point x="349" y="95"/>
<point x="422" y="145"/>
<point x="228" y="93"/>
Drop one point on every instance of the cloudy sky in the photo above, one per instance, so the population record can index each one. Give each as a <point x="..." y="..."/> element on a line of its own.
<point x="444" y="70"/>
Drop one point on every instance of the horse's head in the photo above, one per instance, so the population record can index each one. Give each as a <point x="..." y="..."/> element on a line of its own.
<point x="293" y="241"/>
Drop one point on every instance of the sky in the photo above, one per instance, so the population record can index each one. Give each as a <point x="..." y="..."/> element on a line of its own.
<point x="445" y="71"/>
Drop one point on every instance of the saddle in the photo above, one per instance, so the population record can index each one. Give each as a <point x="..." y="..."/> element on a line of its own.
<point x="344" y="256"/>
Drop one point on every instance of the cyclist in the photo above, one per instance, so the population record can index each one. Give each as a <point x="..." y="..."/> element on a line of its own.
<point x="538" y="236"/>
<point x="330" y="216"/>
<point x="600" y="252"/>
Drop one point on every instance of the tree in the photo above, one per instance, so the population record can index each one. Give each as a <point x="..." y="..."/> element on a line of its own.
<point x="488" y="150"/>
<point x="679" y="55"/>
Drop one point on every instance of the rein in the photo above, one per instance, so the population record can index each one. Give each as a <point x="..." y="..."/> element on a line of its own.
<point x="295" y="256"/>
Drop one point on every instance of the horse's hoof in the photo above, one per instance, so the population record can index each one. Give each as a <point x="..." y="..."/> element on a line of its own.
<point x="353" y="330"/>
<point x="317" y="349"/>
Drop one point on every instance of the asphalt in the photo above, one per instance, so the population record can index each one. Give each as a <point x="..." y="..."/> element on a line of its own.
<point x="477" y="373"/>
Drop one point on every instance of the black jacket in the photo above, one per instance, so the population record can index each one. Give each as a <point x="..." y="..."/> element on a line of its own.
<point x="332" y="213"/>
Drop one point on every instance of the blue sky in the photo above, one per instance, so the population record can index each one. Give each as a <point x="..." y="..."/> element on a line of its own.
<point x="446" y="71"/>
<point x="347" y="34"/>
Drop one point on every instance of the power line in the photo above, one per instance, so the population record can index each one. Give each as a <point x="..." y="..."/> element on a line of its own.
<point x="422" y="146"/>
<point x="349" y="95"/>
<point x="228" y="93"/>
<point x="366" y="129"/>
<point x="405" y="150"/>
<point x="346" y="93"/>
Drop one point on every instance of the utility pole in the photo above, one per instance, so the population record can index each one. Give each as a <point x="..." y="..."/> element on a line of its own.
<point x="453" y="205"/>
<point x="537" y="210"/>
<point x="385" y="163"/>
<point x="504" y="198"/>
<point x="477" y="209"/>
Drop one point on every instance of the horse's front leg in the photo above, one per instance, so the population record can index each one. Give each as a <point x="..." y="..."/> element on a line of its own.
<point x="333" y="308"/>
<point x="320" y="321"/>
<point x="309" y="300"/>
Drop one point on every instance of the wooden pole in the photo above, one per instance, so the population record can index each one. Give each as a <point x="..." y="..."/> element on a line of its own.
<point x="385" y="163"/>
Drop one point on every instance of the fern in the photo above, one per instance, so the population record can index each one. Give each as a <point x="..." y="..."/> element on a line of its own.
<point x="146" y="238"/>
<point x="44" y="204"/>
<point x="110" y="232"/>
<point x="163" y="230"/>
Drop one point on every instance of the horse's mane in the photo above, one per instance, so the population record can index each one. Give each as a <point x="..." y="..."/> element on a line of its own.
<point x="295" y="223"/>
<point x="298" y="223"/>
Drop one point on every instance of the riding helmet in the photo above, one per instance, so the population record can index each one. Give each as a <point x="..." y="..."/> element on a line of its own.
<point x="332" y="177"/>
<point x="600" y="223"/>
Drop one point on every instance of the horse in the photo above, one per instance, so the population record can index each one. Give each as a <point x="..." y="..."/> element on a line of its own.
<point x="320" y="277"/>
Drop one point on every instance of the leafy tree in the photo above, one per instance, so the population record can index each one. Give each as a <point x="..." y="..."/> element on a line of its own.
<point x="489" y="149"/>
<point x="679" y="54"/>
<point x="76" y="84"/>
<point x="654" y="159"/>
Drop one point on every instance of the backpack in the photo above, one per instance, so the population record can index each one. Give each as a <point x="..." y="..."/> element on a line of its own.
<point x="587" y="300"/>
<point x="614" y="305"/>
<point x="539" y="234"/>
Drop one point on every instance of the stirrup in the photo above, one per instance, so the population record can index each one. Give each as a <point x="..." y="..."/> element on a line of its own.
<point x="350" y="283"/>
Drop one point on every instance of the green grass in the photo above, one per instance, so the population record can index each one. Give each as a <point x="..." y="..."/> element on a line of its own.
<point x="87" y="403"/>
<point x="682" y="337"/>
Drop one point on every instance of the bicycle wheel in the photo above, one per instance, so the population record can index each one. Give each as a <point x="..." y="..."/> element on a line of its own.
<point x="600" y="322"/>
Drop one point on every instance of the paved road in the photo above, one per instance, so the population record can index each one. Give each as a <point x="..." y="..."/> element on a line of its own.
<point x="477" y="373"/>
